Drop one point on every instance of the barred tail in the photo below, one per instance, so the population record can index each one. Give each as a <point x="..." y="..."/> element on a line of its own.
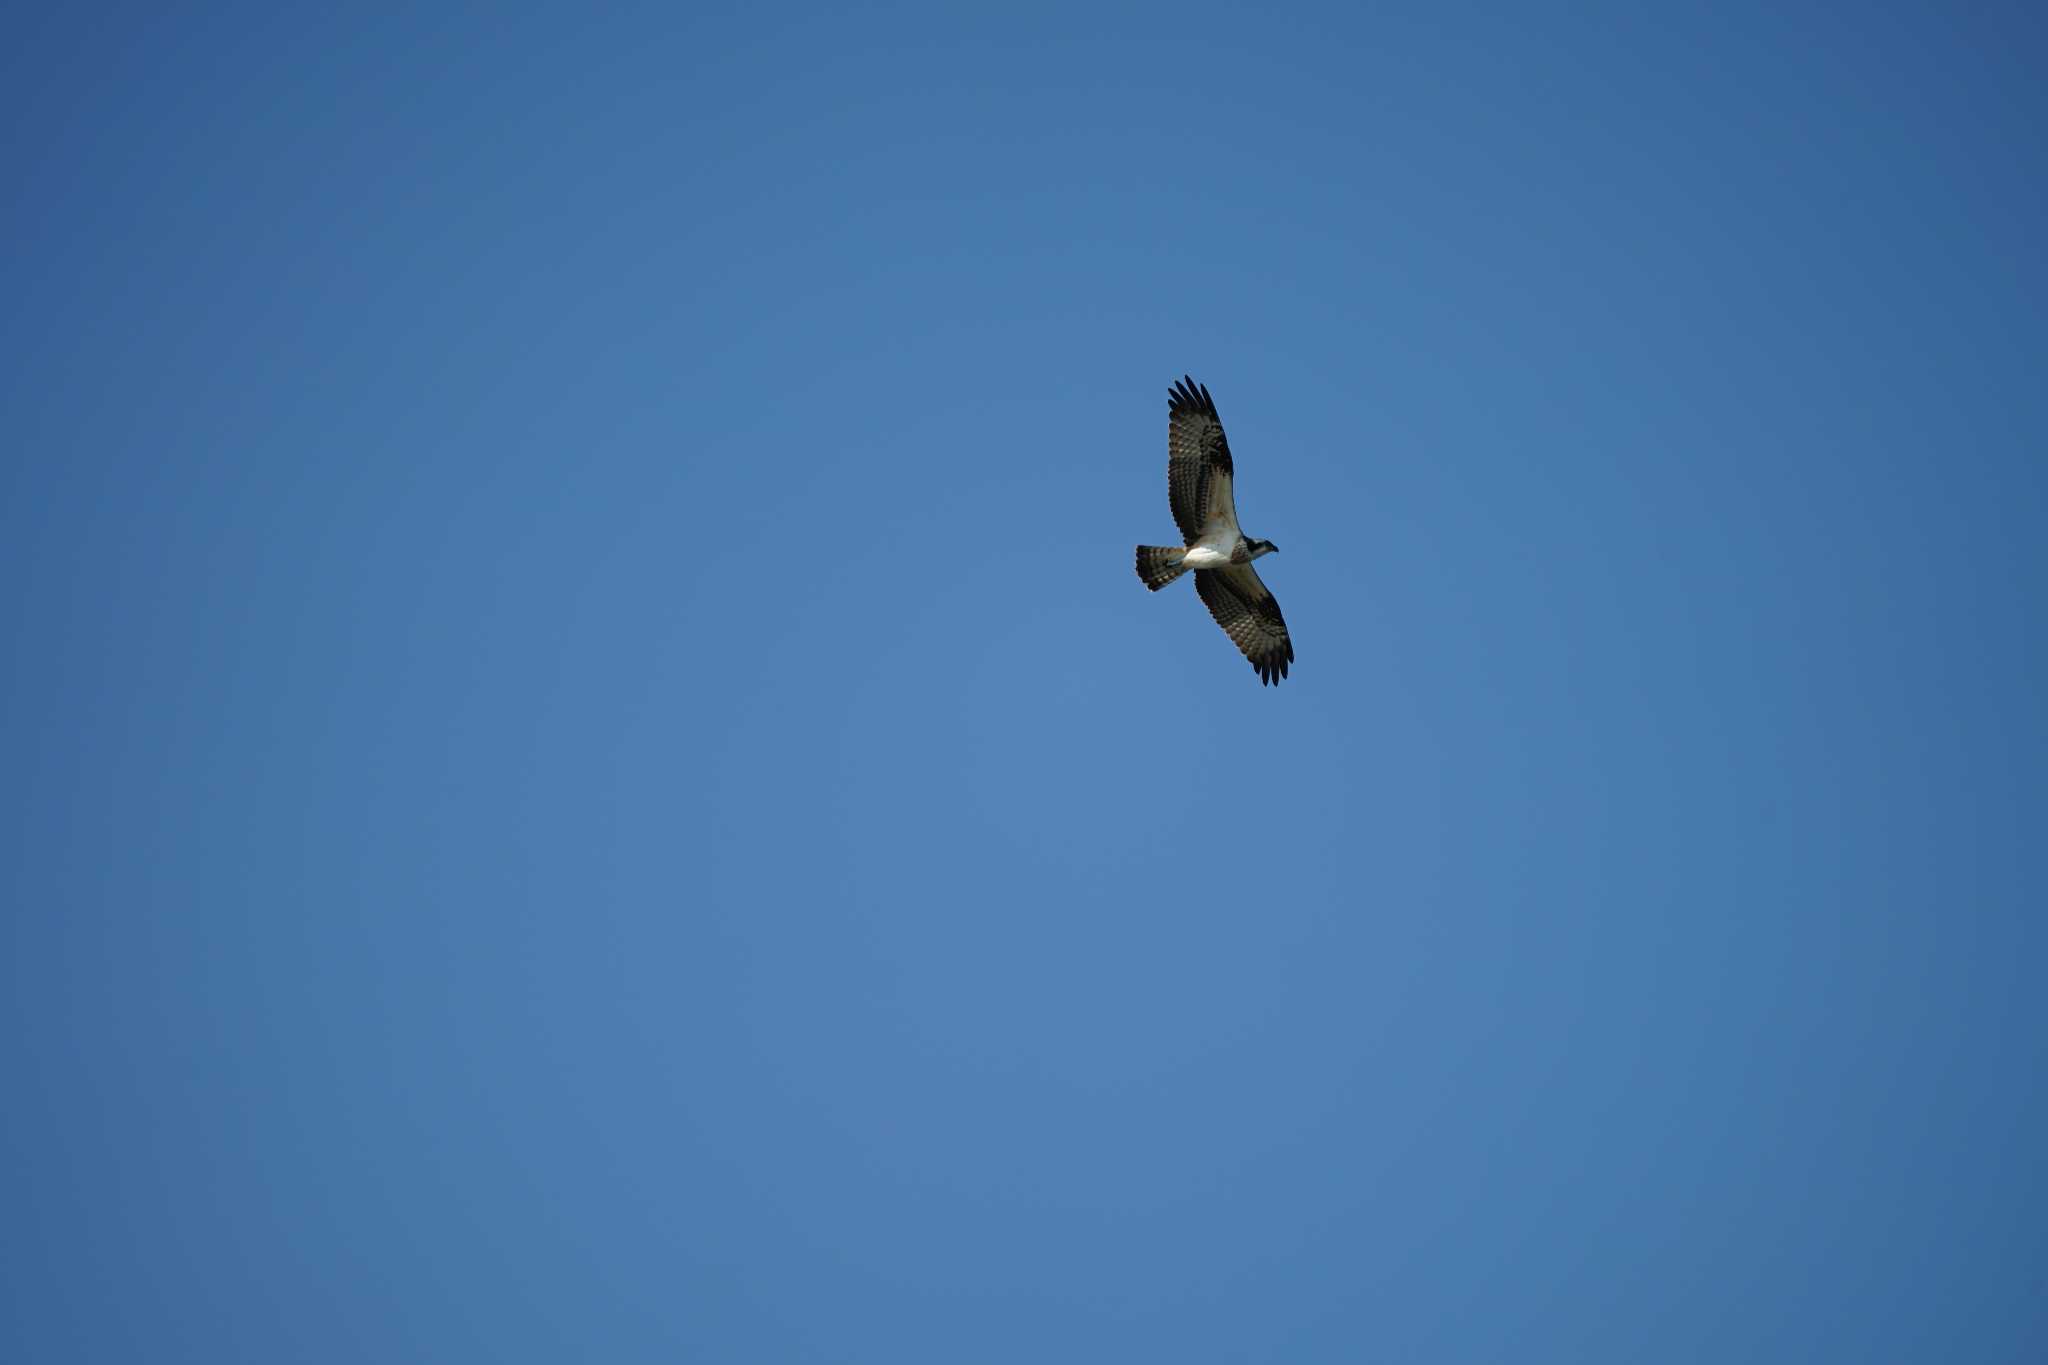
<point x="1159" y="565"/>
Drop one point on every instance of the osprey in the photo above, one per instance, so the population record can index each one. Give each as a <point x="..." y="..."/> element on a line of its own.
<point x="1198" y="478"/>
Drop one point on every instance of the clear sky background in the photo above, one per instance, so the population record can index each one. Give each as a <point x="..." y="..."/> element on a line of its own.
<point x="588" y="777"/>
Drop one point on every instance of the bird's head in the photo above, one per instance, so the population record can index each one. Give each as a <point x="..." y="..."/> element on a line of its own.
<point x="1263" y="547"/>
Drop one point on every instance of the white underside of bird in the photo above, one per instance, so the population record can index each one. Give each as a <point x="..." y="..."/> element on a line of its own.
<point x="1221" y="543"/>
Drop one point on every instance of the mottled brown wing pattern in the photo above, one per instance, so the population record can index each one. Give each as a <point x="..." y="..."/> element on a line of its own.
<point x="1249" y="616"/>
<point x="1198" y="471"/>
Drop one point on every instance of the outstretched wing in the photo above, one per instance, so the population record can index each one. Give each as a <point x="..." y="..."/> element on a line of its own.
<point x="1198" y="473"/>
<point x="1248" y="614"/>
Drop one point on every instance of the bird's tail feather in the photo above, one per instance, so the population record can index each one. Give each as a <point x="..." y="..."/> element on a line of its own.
<point x="1159" y="565"/>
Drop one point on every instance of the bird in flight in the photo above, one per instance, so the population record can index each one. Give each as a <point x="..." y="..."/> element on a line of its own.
<point x="1198" y="486"/>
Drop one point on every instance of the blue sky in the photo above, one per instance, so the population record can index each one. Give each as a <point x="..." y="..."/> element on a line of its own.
<point x="588" y="776"/>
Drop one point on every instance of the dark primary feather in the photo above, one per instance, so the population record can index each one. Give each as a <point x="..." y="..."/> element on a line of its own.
<point x="1248" y="614"/>
<point x="1196" y="453"/>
